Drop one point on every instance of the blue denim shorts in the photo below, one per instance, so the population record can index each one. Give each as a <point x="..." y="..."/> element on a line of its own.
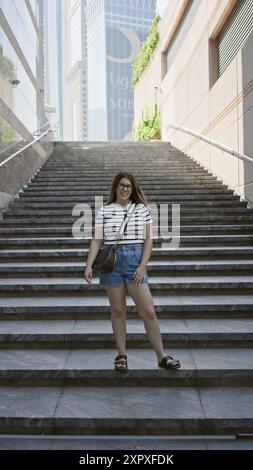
<point x="128" y="258"/>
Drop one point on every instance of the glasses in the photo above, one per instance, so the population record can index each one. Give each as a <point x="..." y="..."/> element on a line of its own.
<point x="125" y="186"/>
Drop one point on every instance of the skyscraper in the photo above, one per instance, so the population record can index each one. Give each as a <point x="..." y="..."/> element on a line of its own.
<point x="116" y="30"/>
<point x="52" y="62"/>
<point x="74" y="69"/>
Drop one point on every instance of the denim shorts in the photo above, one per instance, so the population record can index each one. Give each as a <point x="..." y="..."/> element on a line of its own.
<point x="128" y="258"/>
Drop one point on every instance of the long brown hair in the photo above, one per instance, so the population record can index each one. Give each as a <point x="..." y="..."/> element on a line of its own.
<point x="137" y="195"/>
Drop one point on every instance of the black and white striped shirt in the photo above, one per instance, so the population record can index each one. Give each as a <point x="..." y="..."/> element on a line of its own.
<point x="110" y="218"/>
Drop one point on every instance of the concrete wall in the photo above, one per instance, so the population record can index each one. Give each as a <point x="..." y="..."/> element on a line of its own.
<point x="191" y="96"/>
<point x="16" y="173"/>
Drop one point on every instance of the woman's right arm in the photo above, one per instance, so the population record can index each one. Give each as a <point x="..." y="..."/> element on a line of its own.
<point x="93" y="251"/>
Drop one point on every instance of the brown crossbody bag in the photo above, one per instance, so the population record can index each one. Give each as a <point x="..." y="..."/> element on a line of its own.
<point x="106" y="257"/>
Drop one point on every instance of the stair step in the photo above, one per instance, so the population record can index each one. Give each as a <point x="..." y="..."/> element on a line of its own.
<point x="49" y="200"/>
<point x="74" y="242"/>
<point x="124" y="411"/>
<point x="58" y="367"/>
<point x="196" y="219"/>
<point x="227" y="267"/>
<point x="97" y="334"/>
<point x="174" y="307"/>
<point x="59" y="232"/>
<point x="163" y="285"/>
<point x="188" y="253"/>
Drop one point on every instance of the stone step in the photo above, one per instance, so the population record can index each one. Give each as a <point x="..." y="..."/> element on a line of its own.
<point x="122" y="443"/>
<point x="36" y="185"/>
<point x="97" y="172"/>
<point x="176" y="178"/>
<point x="59" y="232"/>
<point x="155" y="189"/>
<point x="97" y="334"/>
<point x="124" y="411"/>
<point x="68" y="190"/>
<point x="159" y="268"/>
<point x="146" y="177"/>
<point x="74" y="242"/>
<point x="185" y="219"/>
<point x="164" y="286"/>
<point x="91" y="308"/>
<point x="67" y="201"/>
<point x="188" y="253"/>
<point x="91" y="367"/>
<point x="185" y="211"/>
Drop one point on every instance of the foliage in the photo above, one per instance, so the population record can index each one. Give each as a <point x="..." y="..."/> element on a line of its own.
<point x="6" y="132"/>
<point x="6" y="66"/>
<point x="146" y="51"/>
<point x="149" y="126"/>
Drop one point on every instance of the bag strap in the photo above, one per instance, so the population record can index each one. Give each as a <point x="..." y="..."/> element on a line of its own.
<point x="124" y="223"/>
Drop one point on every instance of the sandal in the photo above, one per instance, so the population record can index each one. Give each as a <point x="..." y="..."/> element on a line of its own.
<point x="120" y="362"/>
<point x="169" y="362"/>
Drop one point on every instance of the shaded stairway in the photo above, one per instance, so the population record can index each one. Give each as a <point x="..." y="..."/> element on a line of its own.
<point x="57" y="348"/>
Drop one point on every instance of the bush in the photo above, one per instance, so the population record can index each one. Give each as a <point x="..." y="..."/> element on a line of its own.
<point x="146" y="51"/>
<point x="149" y="126"/>
<point x="6" y="66"/>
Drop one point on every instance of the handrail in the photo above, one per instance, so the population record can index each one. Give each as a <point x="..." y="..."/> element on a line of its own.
<point x="212" y="142"/>
<point x="24" y="148"/>
<point x="23" y="140"/>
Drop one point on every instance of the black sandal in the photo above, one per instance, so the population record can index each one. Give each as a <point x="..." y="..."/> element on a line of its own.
<point x="121" y="362"/>
<point x="169" y="362"/>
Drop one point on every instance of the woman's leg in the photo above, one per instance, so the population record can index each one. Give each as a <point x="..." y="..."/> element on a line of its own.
<point x="143" y="300"/>
<point x="117" y="299"/>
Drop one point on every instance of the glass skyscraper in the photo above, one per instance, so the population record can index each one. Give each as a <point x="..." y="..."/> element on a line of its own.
<point x="116" y="31"/>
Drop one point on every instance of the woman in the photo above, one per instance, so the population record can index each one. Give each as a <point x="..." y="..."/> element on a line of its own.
<point x="129" y="273"/>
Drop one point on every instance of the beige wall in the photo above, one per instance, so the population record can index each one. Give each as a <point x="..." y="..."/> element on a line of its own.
<point x="190" y="97"/>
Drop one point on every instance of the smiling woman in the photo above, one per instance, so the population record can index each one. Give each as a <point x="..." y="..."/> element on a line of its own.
<point x="129" y="273"/>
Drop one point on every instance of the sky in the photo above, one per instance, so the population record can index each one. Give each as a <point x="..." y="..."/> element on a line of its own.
<point x="161" y="5"/>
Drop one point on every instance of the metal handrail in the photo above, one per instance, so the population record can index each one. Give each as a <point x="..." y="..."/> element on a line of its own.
<point x="23" y="140"/>
<point x="212" y="142"/>
<point x="27" y="146"/>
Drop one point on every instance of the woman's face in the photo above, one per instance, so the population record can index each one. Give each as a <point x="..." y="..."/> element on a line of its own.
<point x="124" y="190"/>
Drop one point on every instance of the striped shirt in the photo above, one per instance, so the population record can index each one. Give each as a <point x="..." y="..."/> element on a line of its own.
<point x="110" y="217"/>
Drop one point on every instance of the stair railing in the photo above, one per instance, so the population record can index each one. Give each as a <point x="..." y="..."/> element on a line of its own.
<point x="36" y="139"/>
<point x="23" y="140"/>
<point x="218" y="145"/>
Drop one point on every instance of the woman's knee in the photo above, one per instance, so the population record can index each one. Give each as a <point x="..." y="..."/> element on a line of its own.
<point x="148" y="313"/>
<point x="118" y="311"/>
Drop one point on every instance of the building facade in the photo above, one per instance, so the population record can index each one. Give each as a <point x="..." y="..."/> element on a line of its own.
<point x="74" y="69"/>
<point x="116" y="29"/>
<point x="202" y="69"/>
<point x="51" y="67"/>
<point x="21" y="69"/>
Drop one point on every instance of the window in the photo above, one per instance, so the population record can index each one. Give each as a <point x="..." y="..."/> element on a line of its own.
<point x="233" y="34"/>
<point x="180" y="34"/>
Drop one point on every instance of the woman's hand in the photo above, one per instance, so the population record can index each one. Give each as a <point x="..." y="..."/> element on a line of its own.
<point x="139" y="275"/>
<point x="88" y="274"/>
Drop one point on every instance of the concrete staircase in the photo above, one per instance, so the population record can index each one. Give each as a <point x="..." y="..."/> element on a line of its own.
<point x="56" y="343"/>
